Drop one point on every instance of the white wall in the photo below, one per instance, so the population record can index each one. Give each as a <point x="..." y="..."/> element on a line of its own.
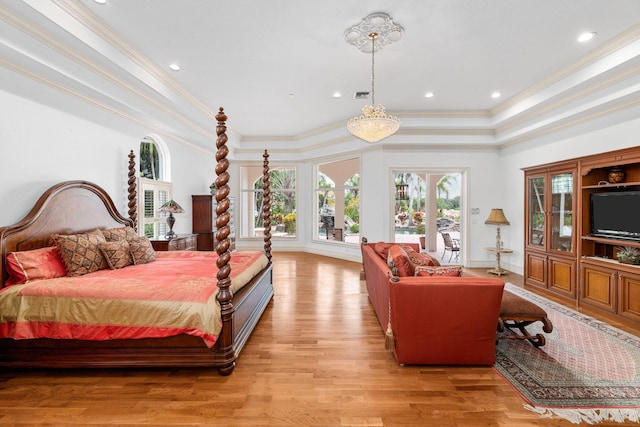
<point x="41" y="146"/>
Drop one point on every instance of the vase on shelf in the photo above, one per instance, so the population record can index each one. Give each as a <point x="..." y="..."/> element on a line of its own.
<point x="616" y="175"/>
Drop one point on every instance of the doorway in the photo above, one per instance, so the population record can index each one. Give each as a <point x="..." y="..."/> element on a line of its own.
<point x="428" y="210"/>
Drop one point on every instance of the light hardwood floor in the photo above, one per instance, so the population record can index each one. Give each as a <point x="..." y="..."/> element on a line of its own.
<point x="317" y="358"/>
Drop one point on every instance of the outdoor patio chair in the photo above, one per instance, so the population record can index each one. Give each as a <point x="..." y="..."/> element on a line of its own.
<point x="450" y="244"/>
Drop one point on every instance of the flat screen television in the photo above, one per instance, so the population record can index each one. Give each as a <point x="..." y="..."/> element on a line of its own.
<point x="616" y="215"/>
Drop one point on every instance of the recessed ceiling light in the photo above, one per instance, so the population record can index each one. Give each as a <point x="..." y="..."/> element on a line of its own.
<point x="100" y="1"/>
<point x="174" y="67"/>
<point x="337" y="95"/>
<point x="291" y="95"/>
<point x="585" y="37"/>
<point x="495" y="95"/>
<point x="428" y="95"/>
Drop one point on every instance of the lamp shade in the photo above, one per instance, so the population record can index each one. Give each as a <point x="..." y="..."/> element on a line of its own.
<point x="171" y="207"/>
<point x="496" y="216"/>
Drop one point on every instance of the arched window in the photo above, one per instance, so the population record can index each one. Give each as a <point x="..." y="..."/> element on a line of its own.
<point x="154" y="187"/>
<point x="149" y="160"/>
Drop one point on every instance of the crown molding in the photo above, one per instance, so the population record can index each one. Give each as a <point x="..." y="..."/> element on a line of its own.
<point x="564" y="101"/>
<point x="88" y="20"/>
<point x="571" y="121"/>
<point x="462" y="114"/>
<point x="93" y="101"/>
<point x="606" y="49"/>
<point x="84" y="16"/>
<point x="531" y="120"/>
<point x="446" y="131"/>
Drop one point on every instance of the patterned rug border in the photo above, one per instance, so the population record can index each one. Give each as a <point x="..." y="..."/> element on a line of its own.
<point x="590" y="413"/>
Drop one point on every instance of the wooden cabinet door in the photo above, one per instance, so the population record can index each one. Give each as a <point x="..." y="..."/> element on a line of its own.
<point x="629" y="295"/>
<point x="536" y="269"/>
<point x="562" y="276"/>
<point x="535" y="205"/>
<point x="561" y="207"/>
<point x="599" y="287"/>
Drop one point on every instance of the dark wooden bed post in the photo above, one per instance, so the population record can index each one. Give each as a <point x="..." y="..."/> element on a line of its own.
<point x="132" y="193"/>
<point x="266" y="205"/>
<point x="223" y="244"/>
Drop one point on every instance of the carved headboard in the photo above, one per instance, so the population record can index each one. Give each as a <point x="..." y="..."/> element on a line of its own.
<point x="66" y="208"/>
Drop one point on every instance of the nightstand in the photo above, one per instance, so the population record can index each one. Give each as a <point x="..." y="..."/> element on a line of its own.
<point x="184" y="242"/>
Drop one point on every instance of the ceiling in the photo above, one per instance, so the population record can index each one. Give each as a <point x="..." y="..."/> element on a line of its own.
<point x="275" y="65"/>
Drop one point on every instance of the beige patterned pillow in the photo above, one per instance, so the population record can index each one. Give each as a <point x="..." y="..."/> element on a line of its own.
<point x="419" y="259"/>
<point x="438" y="271"/>
<point x="141" y="250"/>
<point x="81" y="252"/>
<point x="116" y="253"/>
<point x="120" y="233"/>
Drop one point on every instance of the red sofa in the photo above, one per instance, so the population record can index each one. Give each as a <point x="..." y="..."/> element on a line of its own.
<point x="435" y="320"/>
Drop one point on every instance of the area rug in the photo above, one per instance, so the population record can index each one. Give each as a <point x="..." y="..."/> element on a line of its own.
<point x="587" y="371"/>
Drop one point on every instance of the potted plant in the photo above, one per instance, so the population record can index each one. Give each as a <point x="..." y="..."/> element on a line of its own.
<point x="420" y="229"/>
<point x="629" y="255"/>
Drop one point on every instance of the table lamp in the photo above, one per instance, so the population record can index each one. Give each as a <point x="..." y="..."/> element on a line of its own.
<point x="496" y="216"/>
<point x="171" y="207"/>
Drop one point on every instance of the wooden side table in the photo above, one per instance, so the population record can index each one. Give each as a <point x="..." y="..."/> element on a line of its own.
<point x="498" y="270"/>
<point x="184" y="242"/>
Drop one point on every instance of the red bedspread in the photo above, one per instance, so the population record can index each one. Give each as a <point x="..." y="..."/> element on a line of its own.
<point x="173" y="295"/>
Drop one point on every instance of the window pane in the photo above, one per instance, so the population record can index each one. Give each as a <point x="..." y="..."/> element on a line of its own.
<point x="283" y="202"/>
<point x="149" y="161"/>
<point x="149" y="209"/>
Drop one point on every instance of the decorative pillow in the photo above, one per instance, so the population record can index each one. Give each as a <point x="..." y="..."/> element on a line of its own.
<point x="382" y="249"/>
<point x="36" y="264"/>
<point x="81" y="252"/>
<point x="438" y="271"/>
<point x="399" y="257"/>
<point x="141" y="251"/>
<point x="417" y="259"/>
<point x="120" y="233"/>
<point x="116" y="254"/>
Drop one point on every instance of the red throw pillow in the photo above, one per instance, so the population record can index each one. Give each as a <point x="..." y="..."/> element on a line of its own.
<point x="382" y="249"/>
<point x="36" y="264"/>
<point x="438" y="271"/>
<point x="399" y="257"/>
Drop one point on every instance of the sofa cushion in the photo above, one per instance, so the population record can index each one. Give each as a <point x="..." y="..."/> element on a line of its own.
<point x="437" y="271"/>
<point x="400" y="260"/>
<point x="382" y="249"/>
<point x="419" y="259"/>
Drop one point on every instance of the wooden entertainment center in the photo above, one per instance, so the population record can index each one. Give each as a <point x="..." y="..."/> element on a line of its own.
<point x="562" y="256"/>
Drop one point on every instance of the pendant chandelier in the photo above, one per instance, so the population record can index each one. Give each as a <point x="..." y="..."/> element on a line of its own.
<point x="374" y="124"/>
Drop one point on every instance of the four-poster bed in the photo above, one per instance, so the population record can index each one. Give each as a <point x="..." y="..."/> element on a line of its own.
<point x="79" y="208"/>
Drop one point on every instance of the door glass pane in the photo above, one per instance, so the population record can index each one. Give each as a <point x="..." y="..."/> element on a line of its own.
<point x="561" y="212"/>
<point x="536" y="211"/>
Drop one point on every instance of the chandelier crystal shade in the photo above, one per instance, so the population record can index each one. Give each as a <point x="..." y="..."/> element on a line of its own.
<point x="374" y="124"/>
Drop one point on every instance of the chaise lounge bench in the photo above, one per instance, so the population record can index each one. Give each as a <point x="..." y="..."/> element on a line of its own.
<point x="517" y="312"/>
